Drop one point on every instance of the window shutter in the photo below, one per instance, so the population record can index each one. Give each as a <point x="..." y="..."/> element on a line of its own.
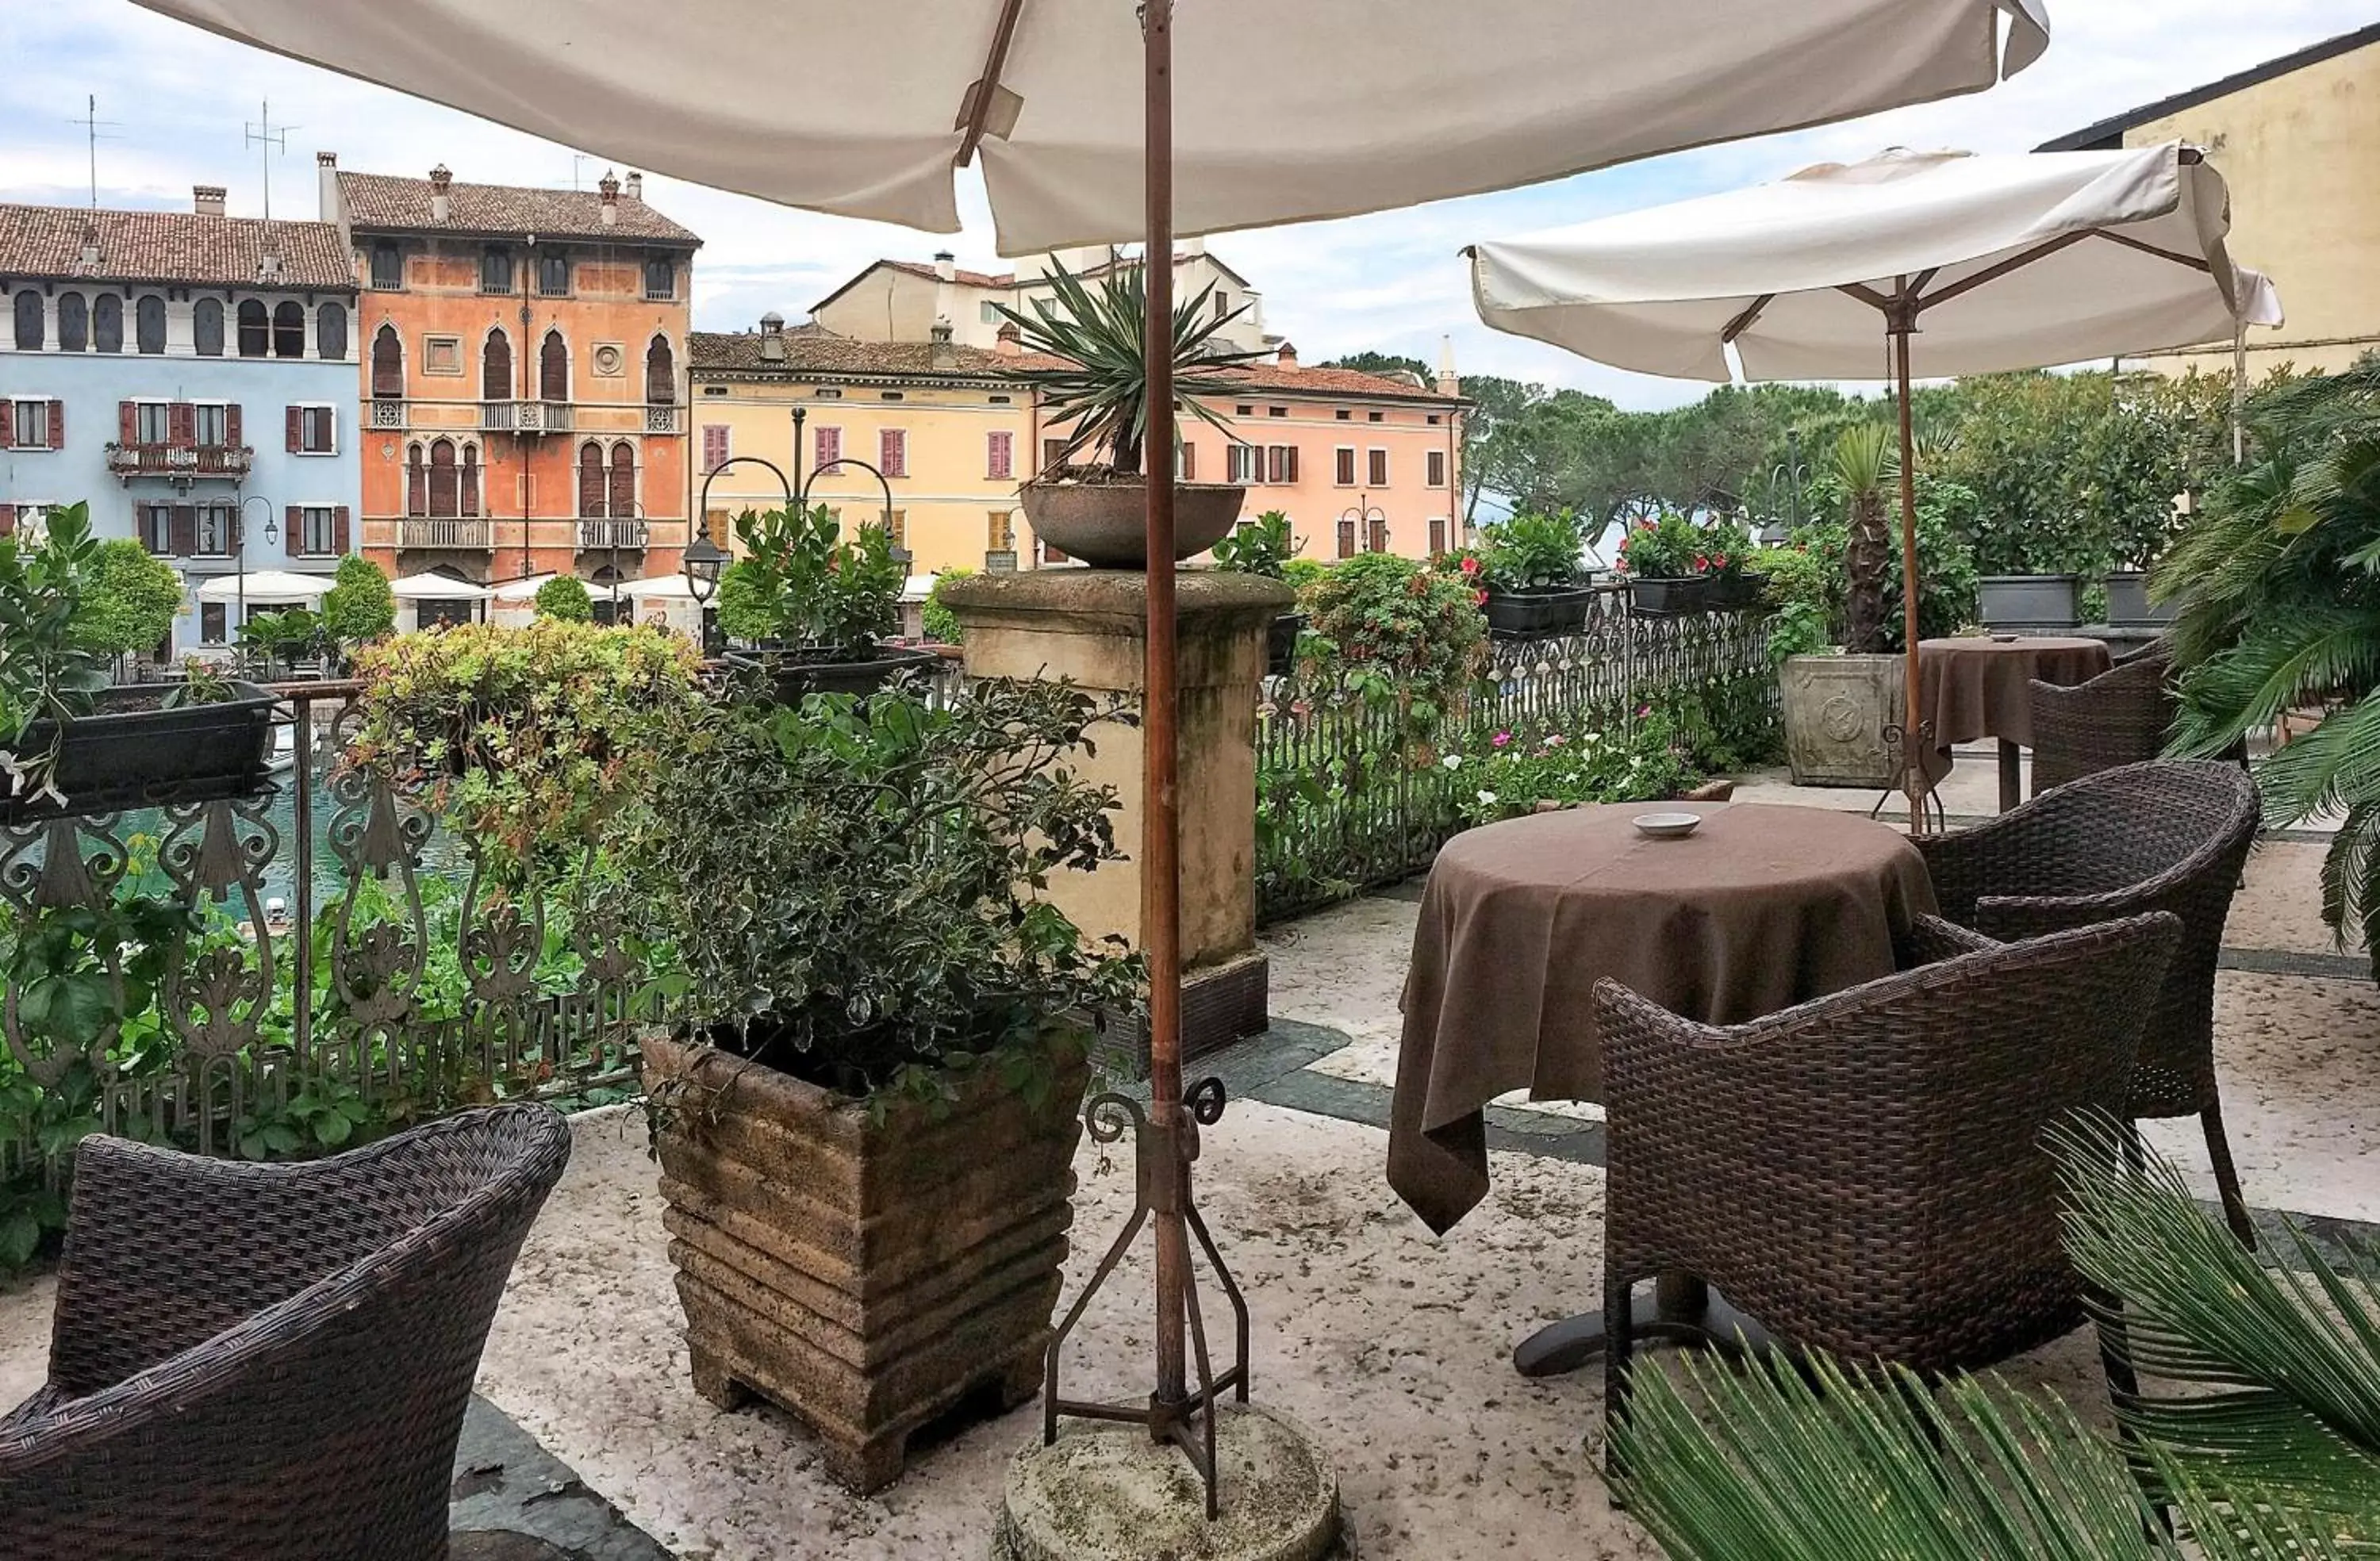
<point x="7" y="520"/>
<point x="293" y="530"/>
<point x="58" y="425"/>
<point x="339" y="530"/>
<point x="231" y="426"/>
<point x="184" y="533"/>
<point x="829" y="447"/>
<point x="417" y="489"/>
<point x="1274" y="464"/>
<point x="1189" y="463"/>
<point x="1378" y="464"/>
<point x="293" y="427"/>
<point x="1293" y="462"/>
<point x="1343" y="469"/>
<point x="8" y="422"/>
<point x="127" y="423"/>
<point x="181" y="424"/>
<point x="997" y="456"/>
<point x="894" y="451"/>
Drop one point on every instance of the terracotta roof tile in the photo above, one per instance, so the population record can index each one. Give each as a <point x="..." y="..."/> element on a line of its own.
<point x="171" y="246"/>
<point x="384" y="202"/>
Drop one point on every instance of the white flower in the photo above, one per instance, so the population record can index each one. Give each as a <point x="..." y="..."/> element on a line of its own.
<point x="1487" y="799"/>
<point x="1453" y="761"/>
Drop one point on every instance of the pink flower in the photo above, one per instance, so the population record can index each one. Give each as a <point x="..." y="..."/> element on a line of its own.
<point x="1471" y="566"/>
<point x="1479" y="599"/>
<point x="1644" y="710"/>
<point x="1555" y="741"/>
<point x="1502" y="739"/>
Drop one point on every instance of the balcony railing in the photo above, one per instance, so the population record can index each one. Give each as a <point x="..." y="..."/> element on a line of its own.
<point x="602" y="535"/>
<point x="479" y="535"/>
<point x="663" y="419"/>
<point x="387" y="412"/>
<point x="525" y="417"/>
<point x="161" y="459"/>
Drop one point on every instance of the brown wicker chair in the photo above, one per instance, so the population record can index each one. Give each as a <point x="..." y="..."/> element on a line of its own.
<point x="270" y="1362"/>
<point x="2121" y="716"/>
<point x="1863" y="1173"/>
<point x="2170" y="835"/>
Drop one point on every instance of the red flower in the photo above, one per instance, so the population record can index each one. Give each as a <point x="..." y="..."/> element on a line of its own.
<point x="1479" y="599"/>
<point x="1471" y="566"/>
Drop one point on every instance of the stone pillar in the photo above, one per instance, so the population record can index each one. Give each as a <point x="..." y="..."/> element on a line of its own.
<point x="1090" y="626"/>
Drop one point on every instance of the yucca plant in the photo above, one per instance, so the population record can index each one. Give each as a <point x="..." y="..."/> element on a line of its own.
<point x="1102" y="389"/>
<point x="2260" y="1430"/>
<point x="1864" y="461"/>
<point x="2279" y="588"/>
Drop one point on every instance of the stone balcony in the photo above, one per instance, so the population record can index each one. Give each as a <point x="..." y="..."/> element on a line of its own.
<point x="477" y="535"/>
<point x="596" y="536"/>
<point x="525" y="417"/>
<point x="179" y="462"/>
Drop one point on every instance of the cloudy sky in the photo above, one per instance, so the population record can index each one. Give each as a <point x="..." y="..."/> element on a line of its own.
<point x="180" y="100"/>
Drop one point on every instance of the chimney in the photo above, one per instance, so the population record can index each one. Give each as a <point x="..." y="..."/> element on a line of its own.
<point x="1011" y="340"/>
<point x="608" y="190"/>
<point x="90" y="246"/>
<point x="772" y="337"/>
<point x="946" y="265"/>
<point x="635" y="186"/>
<point x="944" y="354"/>
<point x="207" y="200"/>
<point x="1447" y="383"/>
<point x="1288" y="354"/>
<point x="442" y="202"/>
<point x="326" y="187"/>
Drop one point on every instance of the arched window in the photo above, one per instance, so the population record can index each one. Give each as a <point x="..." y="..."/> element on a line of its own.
<point x="289" y="330"/>
<point x="624" y="480"/>
<point x="471" y="479"/>
<point x="206" y="327"/>
<point x="331" y="331"/>
<point x="107" y="322"/>
<point x="255" y="330"/>
<point x="388" y="364"/>
<point x="31" y="320"/>
<point x="445" y="494"/>
<point x="660" y="372"/>
<point x="148" y="323"/>
<point x="74" y="323"/>
<point x="496" y="366"/>
<point x="417" y="481"/>
<point x="591" y="481"/>
<point x="553" y="369"/>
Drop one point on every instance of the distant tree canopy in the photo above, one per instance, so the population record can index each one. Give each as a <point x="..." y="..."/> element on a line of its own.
<point x="1384" y="363"/>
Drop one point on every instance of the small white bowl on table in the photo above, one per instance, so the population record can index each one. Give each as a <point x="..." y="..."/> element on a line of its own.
<point x="1667" y="826"/>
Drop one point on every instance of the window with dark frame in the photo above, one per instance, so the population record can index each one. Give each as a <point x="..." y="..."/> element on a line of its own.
<point x="553" y="369"/>
<point x="661" y="278"/>
<point x="1434" y="468"/>
<point x="207" y="327"/>
<point x="496" y="366"/>
<point x="387" y="268"/>
<point x="1346" y="538"/>
<point x="255" y="330"/>
<point x="210" y="623"/>
<point x="289" y="330"/>
<point x="1342" y="466"/>
<point x="74" y="323"/>
<point x="29" y="425"/>
<point x="552" y="273"/>
<point x="495" y="269"/>
<point x="318" y="431"/>
<point x="210" y="424"/>
<point x="1375" y="467"/>
<point x="331" y="332"/>
<point x="152" y="422"/>
<point x="317" y="530"/>
<point x="31" y="321"/>
<point x="387" y="365"/>
<point x="156" y="521"/>
<point x="107" y="322"/>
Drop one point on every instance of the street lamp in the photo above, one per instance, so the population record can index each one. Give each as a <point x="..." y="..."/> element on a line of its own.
<point x="239" y="551"/>
<point x="1791" y="474"/>
<point x="1364" y="514"/>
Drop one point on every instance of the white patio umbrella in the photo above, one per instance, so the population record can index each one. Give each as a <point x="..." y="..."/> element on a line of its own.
<point x="522" y="589"/>
<point x="1091" y="130"/>
<point x="648" y="587"/>
<point x="434" y="586"/>
<point x="1952" y="263"/>
<point x="279" y="586"/>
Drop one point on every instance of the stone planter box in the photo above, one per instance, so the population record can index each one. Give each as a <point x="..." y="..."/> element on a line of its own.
<point x="2128" y="602"/>
<point x="1836" y="710"/>
<point x="2032" y="603"/>
<point x="869" y="1278"/>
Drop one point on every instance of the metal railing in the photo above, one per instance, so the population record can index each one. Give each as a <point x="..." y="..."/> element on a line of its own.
<point x="1348" y="797"/>
<point x="471" y="534"/>
<point x="525" y="417"/>
<point x="166" y="459"/>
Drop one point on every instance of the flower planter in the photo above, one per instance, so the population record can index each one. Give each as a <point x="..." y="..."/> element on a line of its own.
<point x="1280" y="644"/>
<point x="2128" y="605"/>
<point x="1667" y="597"/>
<point x="869" y="1278"/>
<point x="1736" y="590"/>
<point x="1836" y="710"/>
<point x="793" y="674"/>
<point x="1105" y="525"/>
<point x="2032" y="603"/>
<point x="131" y="751"/>
<point x="1539" y="614"/>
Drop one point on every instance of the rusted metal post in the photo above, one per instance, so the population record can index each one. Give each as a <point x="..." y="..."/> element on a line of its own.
<point x="1160" y="901"/>
<point x="1902" y="321"/>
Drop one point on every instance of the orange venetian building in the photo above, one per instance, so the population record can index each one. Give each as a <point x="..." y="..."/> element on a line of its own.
<point x="522" y="354"/>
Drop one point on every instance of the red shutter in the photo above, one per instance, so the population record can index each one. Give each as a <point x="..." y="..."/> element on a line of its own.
<point x="7" y="519"/>
<point x="58" y="425"/>
<point x="8" y="423"/>
<point x="893" y="451"/>
<point x="293" y="428"/>
<point x="1293" y="462"/>
<point x="231" y="426"/>
<point x="339" y="530"/>
<point x="829" y="447"/>
<point x="184" y="534"/>
<point x="293" y="523"/>
<point x="714" y="446"/>
<point x="1380" y="468"/>
<point x="181" y="425"/>
<point x="1189" y="462"/>
<point x="127" y="423"/>
<point x="1000" y="457"/>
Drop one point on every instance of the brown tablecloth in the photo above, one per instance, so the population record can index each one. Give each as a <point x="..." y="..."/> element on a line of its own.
<point x="1761" y="908"/>
<point x="1976" y="687"/>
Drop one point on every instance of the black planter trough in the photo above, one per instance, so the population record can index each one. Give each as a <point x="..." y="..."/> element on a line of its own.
<point x="1539" y="614"/>
<point x="1735" y="590"/>
<point x="792" y="674"/>
<point x="1281" y="643"/>
<point x="1662" y="596"/>
<point x="132" y="752"/>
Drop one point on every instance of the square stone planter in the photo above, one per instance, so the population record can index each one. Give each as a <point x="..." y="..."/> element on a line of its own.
<point x="2032" y="603"/>
<point x="869" y="1278"/>
<point x="2128" y="602"/>
<point x="1836" y="710"/>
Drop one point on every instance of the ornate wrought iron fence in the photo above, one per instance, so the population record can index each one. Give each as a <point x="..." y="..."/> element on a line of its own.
<point x="1347" y="799"/>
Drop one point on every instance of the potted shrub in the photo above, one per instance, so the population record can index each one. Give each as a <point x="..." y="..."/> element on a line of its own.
<point x="1727" y="564"/>
<point x="811" y="607"/>
<point x="286" y="637"/>
<point x="1531" y="567"/>
<point x="2032" y="603"/>
<point x="1657" y="557"/>
<point x="1264" y="546"/>
<point x="1095" y="510"/>
<point x="867" y="1120"/>
<point x="76" y="744"/>
<point x="1836" y="707"/>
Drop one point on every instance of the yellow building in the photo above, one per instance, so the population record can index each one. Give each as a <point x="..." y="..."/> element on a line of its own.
<point x="2297" y="140"/>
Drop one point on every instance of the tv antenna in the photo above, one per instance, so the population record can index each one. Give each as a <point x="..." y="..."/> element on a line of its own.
<point x="272" y="138"/>
<point x="575" y="159"/>
<point x="95" y="130"/>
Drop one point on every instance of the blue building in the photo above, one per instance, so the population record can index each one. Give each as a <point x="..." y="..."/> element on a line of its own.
<point x="193" y="377"/>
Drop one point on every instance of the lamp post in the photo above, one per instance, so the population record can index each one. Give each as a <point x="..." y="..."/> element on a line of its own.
<point x="1362" y="515"/>
<point x="240" y="552"/>
<point x="1790" y="475"/>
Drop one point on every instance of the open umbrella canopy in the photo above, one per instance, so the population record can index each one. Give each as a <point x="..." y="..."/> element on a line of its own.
<point x="265" y="587"/>
<point x="522" y="589"/>
<point x="434" y="586"/>
<point x="652" y="587"/>
<point x="1394" y="103"/>
<point x="2016" y="261"/>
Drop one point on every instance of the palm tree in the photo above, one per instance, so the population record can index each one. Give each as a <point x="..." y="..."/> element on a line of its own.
<point x="1863" y="462"/>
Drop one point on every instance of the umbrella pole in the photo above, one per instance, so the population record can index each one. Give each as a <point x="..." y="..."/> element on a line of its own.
<point x="1902" y="323"/>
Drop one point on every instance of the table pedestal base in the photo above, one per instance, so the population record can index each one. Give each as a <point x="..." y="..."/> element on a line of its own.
<point x="1682" y="1309"/>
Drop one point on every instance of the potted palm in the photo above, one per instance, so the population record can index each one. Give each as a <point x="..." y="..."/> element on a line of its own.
<point x="1531" y="565"/>
<point x="1658" y="557"/>
<point x="810" y="606"/>
<point x="76" y="745"/>
<point x="1264" y="547"/>
<point x="1094" y="509"/>
<point x="867" y="1119"/>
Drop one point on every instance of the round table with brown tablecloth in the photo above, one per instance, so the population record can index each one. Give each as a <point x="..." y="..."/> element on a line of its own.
<point x="1979" y="686"/>
<point x="1761" y="908"/>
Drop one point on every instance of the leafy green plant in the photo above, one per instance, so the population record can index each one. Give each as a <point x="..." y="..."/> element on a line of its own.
<point x="1667" y="548"/>
<point x="1100" y="394"/>
<point x="1727" y="550"/>
<point x="293" y="634"/>
<point x="2260" y="1421"/>
<point x="129" y="600"/>
<point x="1263" y="546"/>
<point x="1534" y="552"/>
<point x="802" y="586"/>
<point x="1805" y="592"/>
<point x="564" y="597"/>
<point x="360" y="606"/>
<point x="853" y="892"/>
<point x="1399" y="634"/>
<point x="1299" y="573"/>
<point x="1512" y="774"/>
<point x="1864" y="460"/>
<point x="47" y="673"/>
<point x="941" y="623"/>
<point x="1946" y="569"/>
